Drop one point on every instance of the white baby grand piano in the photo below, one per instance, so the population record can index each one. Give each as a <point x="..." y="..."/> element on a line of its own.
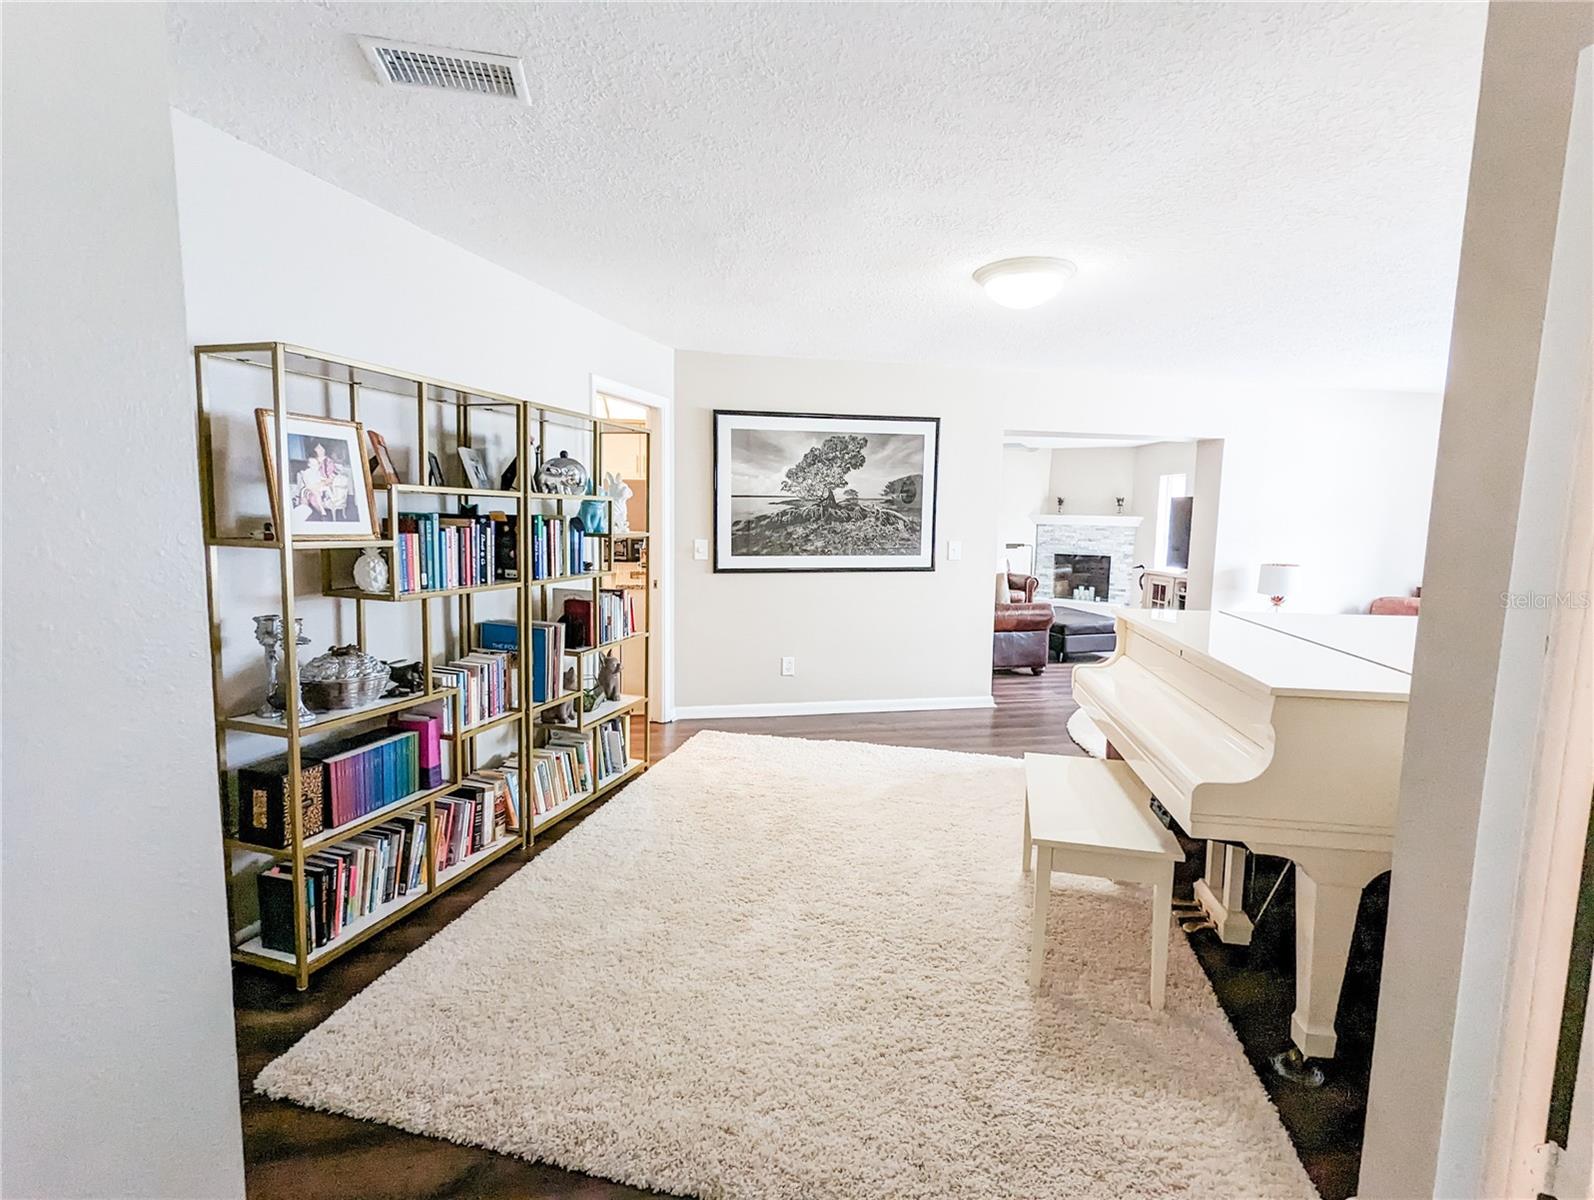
<point x="1277" y="733"/>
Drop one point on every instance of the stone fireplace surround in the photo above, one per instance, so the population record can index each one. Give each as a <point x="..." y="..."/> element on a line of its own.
<point x="1113" y="536"/>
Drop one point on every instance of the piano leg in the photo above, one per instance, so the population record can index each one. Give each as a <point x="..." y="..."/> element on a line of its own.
<point x="1221" y="892"/>
<point x="1328" y="892"/>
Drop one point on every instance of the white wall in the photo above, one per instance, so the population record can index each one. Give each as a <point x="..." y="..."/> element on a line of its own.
<point x="1341" y="489"/>
<point x="863" y="639"/>
<point x="1090" y="481"/>
<point x="1337" y="480"/>
<point x="120" y="1075"/>
<point x="1025" y="490"/>
<point x="272" y="253"/>
<point x="1151" y="463"/>
<point x="1459" y="822"/>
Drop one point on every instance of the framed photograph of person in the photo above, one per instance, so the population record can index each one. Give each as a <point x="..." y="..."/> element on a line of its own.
<point x="382" y="469"/>
<point x="475" y="469"/>
<point x="329" y="481"/>
<point x="821" y="492"/>
<point x="434" y="471"/>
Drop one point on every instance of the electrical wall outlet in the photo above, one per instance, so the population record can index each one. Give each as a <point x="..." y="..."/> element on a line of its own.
<point x="700" y="549"/>
<point x="954" y="551"/>
<point x="788" y="665"/>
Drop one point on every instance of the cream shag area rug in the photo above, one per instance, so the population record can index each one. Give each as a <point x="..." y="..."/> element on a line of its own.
<point x="1086" y="734"/>
<point x="794" y="969"/>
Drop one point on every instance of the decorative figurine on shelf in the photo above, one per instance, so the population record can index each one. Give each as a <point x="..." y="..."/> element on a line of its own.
<point x="594" y="517"/>
<point x="408" y="679"/>
<point x="1060" y="501"/>
<point x="562" y="476"/>
<point x="370" y="571"/>
<point x="609" y="676"/>
<point x="268" y="632"/>
<point x="1120" y="500"/>
<point x="618" y="488"/>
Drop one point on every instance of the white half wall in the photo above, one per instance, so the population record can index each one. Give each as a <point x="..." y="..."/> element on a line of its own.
<point x="273" y="253"/>
<point x="1335" y="480"/>
<point x="120" y="1071"/>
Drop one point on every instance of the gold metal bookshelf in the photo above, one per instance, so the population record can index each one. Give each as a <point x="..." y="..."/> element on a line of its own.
<point x="343" y="381"/>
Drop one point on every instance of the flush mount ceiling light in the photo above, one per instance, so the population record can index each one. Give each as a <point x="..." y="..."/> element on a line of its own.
<point x="1024" y="282"/>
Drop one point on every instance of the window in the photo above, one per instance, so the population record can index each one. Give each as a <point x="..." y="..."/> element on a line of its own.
<point x="1169" y="488"/>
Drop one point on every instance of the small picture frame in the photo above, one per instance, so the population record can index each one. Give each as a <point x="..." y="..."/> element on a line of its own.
<point x="328" y="478"/>
<point x="434" y="472"/>
<point x="475" y="469"/>
<point x="383" y="472"/>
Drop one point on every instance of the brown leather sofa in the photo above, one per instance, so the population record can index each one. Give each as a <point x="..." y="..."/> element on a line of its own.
<point x="1021" y="588"/>
<point x="1023" y="628"/>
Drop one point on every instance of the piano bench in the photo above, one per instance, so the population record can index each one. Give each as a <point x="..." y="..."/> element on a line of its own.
<point x="1092" y="816"/>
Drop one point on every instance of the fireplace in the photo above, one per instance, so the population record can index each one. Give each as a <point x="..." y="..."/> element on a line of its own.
<point x="1073" y="574"/>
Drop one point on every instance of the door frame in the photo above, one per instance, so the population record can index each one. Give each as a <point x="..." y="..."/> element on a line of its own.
<point x="661" y="516"/>
<point x="1540" y="771"/>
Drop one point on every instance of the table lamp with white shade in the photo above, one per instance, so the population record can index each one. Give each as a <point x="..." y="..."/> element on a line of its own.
<point x="1276" y="581"/>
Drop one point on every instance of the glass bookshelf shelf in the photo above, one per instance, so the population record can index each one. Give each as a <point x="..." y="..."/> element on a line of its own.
<point x="337" y="718"/>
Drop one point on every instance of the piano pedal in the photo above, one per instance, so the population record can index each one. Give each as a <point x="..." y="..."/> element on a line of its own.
<point x="1187" y="905"/>
<point x="1291" y="1064"/>
<point x="1197" y="925"/>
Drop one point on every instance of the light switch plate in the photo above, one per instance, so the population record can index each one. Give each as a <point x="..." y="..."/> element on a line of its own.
<point x="788" y="666"/>
<point x="700" y="549"/>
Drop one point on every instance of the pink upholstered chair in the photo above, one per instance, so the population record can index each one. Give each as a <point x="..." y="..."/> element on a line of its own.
<point x="1397" y="606"/>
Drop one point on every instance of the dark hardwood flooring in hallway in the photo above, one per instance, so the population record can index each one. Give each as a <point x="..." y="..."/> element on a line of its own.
<point x="293" y="1153"/>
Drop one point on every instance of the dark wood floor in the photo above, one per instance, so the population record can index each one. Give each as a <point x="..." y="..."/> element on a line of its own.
<point x="292" y="1153"/>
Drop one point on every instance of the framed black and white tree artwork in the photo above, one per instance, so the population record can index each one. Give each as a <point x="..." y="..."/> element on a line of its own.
<point x="817" y="492"/>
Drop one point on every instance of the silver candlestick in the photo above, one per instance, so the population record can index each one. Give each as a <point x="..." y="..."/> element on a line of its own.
<point x="268" y="632"/>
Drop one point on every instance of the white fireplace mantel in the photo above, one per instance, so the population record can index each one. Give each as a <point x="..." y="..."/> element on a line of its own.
<point x="1071" y="519"/>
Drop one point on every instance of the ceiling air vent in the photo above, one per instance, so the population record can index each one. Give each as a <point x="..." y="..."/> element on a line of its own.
<point x="409" y="65"/>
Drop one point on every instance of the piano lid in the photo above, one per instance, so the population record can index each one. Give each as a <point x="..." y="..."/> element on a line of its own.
<point x="1386" y="640"/>
<point x="1252" y="652"/>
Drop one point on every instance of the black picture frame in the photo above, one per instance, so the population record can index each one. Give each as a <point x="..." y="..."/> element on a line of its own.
<point x="724" y="562"/>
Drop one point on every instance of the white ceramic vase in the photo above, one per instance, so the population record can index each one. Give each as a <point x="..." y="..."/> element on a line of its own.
<point x="370" y="571"/>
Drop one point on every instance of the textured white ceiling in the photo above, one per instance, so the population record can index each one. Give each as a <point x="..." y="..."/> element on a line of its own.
<point x="1262" y="190"/>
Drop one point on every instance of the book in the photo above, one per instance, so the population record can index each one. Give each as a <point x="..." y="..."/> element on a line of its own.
<point x="506" y="546"/>
<point x="428" y="730"/>
<point x="440" y="551"/>
<point x="547" y="659"/>
<point x="611" y="740"/>
<point x="498" y="635"/>
<point x="370" y="773"/>
<point x="577" y="618"/>
<point x="258" y="794"/>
